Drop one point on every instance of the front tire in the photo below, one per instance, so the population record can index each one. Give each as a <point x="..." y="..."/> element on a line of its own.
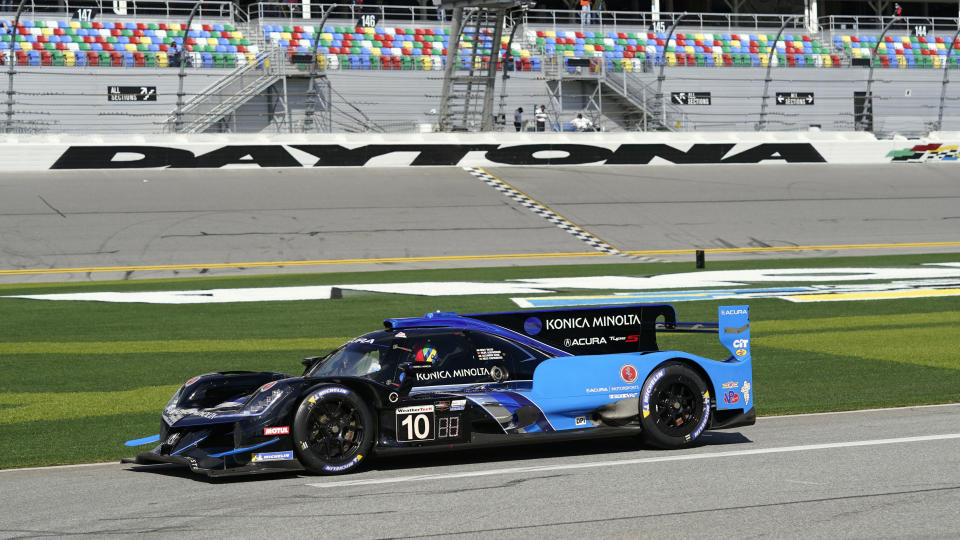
<point x="674" y="406"/>
<point x="333" y="430"/>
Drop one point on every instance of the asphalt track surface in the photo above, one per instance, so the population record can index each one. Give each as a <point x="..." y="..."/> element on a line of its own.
<point x="891" y="473"/>
<point x="161" y="223"/>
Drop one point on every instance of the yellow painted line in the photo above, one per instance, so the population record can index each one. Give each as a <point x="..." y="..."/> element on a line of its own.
<point x="875" y="295"/>
<point x="461" y="258"/>
<point x="801" y="248"/>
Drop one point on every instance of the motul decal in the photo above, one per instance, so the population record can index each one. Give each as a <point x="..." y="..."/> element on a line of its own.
<point x="415" y="155"/>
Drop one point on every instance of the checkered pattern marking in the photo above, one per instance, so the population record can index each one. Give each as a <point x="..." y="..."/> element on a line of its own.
<point x="551" y="216"/>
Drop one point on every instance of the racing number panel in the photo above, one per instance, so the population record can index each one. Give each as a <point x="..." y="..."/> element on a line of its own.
<point x="436" y="422"/>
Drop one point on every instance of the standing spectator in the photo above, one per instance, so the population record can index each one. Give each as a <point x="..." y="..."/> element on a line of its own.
<point x="584" y="11"/>
<point x="518" y="118"/>
<point x="582" y="124"/>
<point x="175" y="55"/>
<point x="541" y="117"/>
<point x="441" y="13"/>
<point x="897" y="10"/>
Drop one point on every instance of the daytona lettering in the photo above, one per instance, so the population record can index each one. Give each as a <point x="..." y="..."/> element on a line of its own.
<point x="335" y="155"/>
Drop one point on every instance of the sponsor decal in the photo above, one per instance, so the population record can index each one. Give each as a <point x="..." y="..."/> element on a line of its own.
<point x="191" y="381"/>
<point x="279" y="430"/>
<point x="734" y="312"/>
<point x="741" y="343"/>
<point x="648" y="389"/>
<point x="623" y="396"/>
<point x="745" y="390"/>
<point x="442" y="406"/>
<point x="583" y="342"/>
<point x="629" y="373"/>
<point x="446" y="374"/>
<point x="925" y="152"/>
<point x="580" y="421"/>
<point x="401" y="335"/>
<point x="320" y="393"/>
<point x="267" y="386"/>
<point x="414" y="409"/>
<point x="597" y="390"/>
<point x="458" y="405"/>
<point x="600" y="321"/>
<point x="741" y="352"/>
<point x="272" y="456"/>
<point x="730" y="384"/>
<point x="335" y="155"/>
<point x="489" y="354"/>
<point x="361" y="340"/>
<point x="532" y="326"/>
<point x="337" y="468"/>
<point x="632" y="338"/>
<point x="426" y="355"/>
<point x="731" y="397"/>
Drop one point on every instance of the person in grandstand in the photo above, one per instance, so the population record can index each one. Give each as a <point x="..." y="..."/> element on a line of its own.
<point x="175" y="55"/>
<point x="541" y="117"/>
<point x="584" y="11"/>
<point x="518" y="118"/>
<point x="582" y="124"/>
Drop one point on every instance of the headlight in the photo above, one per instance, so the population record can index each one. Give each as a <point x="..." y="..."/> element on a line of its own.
<point x="264" y="399"/>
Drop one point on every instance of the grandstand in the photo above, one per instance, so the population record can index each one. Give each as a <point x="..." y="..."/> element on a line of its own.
<point x="245" y="70"/>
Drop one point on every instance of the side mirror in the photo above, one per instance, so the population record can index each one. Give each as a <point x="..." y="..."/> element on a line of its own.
<point x="308" y="361"/>
<point x="407" y="378"/>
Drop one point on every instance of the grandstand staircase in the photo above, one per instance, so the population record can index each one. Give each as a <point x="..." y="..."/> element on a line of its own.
<point x="224" y="97"/>
<point x="623" y="97"/>
<point x="466" y="103"/>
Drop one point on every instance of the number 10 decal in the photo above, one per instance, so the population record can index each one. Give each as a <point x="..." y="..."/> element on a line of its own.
<point x="415" y="423"/>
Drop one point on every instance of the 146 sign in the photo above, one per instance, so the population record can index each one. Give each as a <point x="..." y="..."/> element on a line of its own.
<point x="794" y="98"/>
<point x="131" y="93"/>
<point x="690" y="98"/>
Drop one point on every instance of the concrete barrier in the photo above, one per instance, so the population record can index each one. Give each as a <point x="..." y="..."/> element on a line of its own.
<point x="35" y="153"/>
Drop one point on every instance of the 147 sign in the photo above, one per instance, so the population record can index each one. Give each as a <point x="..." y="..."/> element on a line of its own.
<point x="794" y="98"/>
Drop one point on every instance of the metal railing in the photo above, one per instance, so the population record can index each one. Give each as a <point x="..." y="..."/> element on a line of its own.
<point x="224" y="96"/>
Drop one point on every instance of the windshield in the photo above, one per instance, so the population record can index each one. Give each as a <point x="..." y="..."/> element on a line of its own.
<point x="373" y="356"/>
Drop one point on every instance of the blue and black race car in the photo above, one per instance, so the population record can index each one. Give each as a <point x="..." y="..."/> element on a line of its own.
<point x="446" y="381"/>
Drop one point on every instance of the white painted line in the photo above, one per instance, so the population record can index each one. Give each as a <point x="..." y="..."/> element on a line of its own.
<point x="56" y="467"/>
<point x="638" y="461"/>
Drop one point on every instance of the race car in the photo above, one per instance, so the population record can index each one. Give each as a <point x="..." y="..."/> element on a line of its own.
<point x="445" y="381"/>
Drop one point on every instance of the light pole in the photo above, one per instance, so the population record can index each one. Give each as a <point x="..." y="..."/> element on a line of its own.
<point x="762" y="124"/>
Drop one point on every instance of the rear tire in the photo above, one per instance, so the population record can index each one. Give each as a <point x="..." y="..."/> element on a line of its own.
<point x="333" y="430"/>
<point x="674" y="406"/>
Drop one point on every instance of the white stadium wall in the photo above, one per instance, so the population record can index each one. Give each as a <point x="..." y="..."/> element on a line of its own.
<point x="38" y="152"/>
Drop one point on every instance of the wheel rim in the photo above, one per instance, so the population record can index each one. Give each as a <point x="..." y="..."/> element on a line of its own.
<point x="336" y="429"/>
<point x="678" y="407"/>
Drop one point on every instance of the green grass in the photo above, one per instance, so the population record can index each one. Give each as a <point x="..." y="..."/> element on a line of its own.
<point x="82" y="377"/>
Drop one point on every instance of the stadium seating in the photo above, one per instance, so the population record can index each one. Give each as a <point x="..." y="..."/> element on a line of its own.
<point x="391" y="48"/>
<point x="145" y="44"/>
<point x="899" y="51"/>
<point x="126" y="44"/>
